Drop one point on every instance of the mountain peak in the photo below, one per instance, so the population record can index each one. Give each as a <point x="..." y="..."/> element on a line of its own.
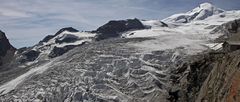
<point x="70" y="29"/>
<point x="206" y="5"/>
<point x="201" y="12"/>
<point x="6" y="49"/>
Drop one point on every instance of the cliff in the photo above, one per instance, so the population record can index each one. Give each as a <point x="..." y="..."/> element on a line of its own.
<point x="223" y="83"/>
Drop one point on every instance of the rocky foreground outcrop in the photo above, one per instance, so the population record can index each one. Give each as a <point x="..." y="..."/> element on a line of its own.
<point x="188" y="78"/>
<point x="212" y="77"/>
<point x="223" y="83"/>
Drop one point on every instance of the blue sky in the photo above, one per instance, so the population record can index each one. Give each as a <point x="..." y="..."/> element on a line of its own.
<point x="27" y="21"/>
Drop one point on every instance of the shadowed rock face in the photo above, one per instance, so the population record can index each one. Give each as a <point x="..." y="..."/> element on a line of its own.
<point x="29" y="56"/>
<point x="188" y="78"/>
<point x="228" y="29"/>
<point x="67" y="39"/>
<point x="58" y="51"/>
<point x="113" y="28"/>
<point x="6" y="49"/>
<point x="47" y="38"/>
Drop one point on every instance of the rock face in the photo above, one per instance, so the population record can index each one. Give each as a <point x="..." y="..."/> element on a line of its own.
<point x="223" y="83"/>
<point x="58" y="51"/>
<point x="228" y="29"/>
<point x="188" y="78"/>
<point x="114" y="28"/>
<point x="6" y="49"/>
<point x="47" y="38"/>
<point x="67" y="39"/>
<point x="29" y="56"/>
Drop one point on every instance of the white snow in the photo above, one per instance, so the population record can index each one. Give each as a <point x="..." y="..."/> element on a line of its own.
<point x="149" y="32"/>
<point x="190" y="36"/>
<point x="214" y="46"/>
<point x="193" y="36"/>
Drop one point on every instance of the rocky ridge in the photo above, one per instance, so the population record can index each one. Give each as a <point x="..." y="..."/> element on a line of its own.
<point x="6" y="49"/>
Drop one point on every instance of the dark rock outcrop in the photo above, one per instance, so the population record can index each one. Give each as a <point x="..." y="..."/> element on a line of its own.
<point x="21" y="50"/>
<point x="229" y="29"/>
<point x="189" y="78"/>
<point x="114" y="28"/>
<point x="58" y="51"/>
<point x="223" y="82"/>
<point x="47" y="38"/>
<point x="67" y="39"/>
<point x="70" y="29"/>
<point x="30" y="56"/>
<point x="164" y="24"/>
<point x="6" y="49"/>
<point x="233" y="26"/>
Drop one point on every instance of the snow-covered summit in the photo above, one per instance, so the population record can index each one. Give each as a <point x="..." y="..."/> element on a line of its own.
<point x="56" y="45"/>
<point x="201" y="12"/>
